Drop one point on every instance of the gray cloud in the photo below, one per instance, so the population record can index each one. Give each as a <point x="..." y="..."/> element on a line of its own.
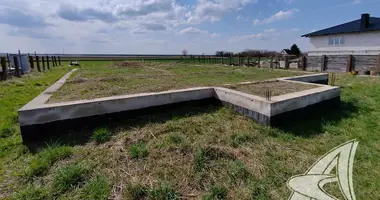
<point x="16" y="18"/>
<point x="72" y="13"/>
<point x="31" y="33"/>
<point x="154" y="27"/>
<point x="141" y="8"/>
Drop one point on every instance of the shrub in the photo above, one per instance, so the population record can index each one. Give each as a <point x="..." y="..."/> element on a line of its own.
<point x="67" y="177"/>
<point x="98" y="189"/>
<point x="101" y="135"/>
<point x="138" y="150"/>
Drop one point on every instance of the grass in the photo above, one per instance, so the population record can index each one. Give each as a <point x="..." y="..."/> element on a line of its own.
<point x="102" y="79"/>
<point x="192" y="149"/>
<point x="101" y="135"/>
<point x="68" y="177"/>
<point x="139" y="150"/>
<point x="97" y="188"/>
<point x="46" y="158"/>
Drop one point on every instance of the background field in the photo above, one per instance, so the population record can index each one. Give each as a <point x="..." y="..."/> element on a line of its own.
<point x="102" y="79"/>
<point x="192" y="152"/>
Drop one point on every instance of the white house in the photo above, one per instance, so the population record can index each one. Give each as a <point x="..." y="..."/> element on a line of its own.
<point x="359" y="37"/>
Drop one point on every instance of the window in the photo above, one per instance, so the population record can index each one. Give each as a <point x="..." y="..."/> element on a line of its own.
<point x="336" y="40"/>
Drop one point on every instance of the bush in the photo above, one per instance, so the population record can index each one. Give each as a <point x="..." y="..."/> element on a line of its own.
<point x="46" y="158"/>
<point x="101" y="135"/>
<point x="138" y="150"/>
<point x="164" y="193"/>
<point x="69" y="176"/>
<point x="97" y="189"/>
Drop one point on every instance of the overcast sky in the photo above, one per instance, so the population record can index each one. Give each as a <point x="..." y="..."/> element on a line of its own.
<point x="168" y="26"/>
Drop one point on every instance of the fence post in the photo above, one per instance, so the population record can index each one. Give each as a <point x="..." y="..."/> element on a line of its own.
<point x="259" y="62"/>
<point x="21" y="69"/>
<point x="43" y="63"/>
<point x="38" y="63"/>
<point x="349" y="63"/>
<point x="304" y="63"/>
<point x="47" y="62"/>
<point x="324" y="63"/>
<point x="378" y="62"/>
<point x="17" y="67"/>
<point x="59" y="60"/>
<point x="287" y="64"/>
<point x="31" y="62"/>
<point x="4" y="68"/>
<point x="52" y="61"/>
<point x="271" y="62"/>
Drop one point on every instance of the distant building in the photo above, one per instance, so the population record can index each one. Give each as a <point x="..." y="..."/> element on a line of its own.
<point x="359" y="37"/>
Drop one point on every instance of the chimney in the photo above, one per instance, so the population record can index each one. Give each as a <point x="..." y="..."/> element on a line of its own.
<point x="364" y="23"/>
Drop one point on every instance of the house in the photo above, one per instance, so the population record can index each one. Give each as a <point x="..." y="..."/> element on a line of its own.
<point x="359" y="37"/>
<point x="286" y="52"/>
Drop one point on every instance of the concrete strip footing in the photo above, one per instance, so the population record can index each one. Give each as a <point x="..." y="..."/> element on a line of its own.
<point x="38" y="119"/>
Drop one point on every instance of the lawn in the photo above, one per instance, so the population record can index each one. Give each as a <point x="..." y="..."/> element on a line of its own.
<point x="192" y="152"/>
<point x="102" y="79"/>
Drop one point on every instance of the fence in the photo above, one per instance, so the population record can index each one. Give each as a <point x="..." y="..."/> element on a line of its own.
<point x="14" y="65"/>
<point x="340" y="63"/>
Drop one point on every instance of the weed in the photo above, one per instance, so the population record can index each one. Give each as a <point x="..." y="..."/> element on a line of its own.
<point x="164" y="192"/>
<point x="98" y="189"/>
<point x="6" y="132"/>
<point x="137" y="192"/>
<point x="238" y="171"/>
<point x="204" y="155"/>
<point x="46" y="158"/>
<point x="31" y="192"/>
<point x="259" y="192"/>
<point x="101" y="135"/>
<point x="176" y="138"/>
<point x="216" y="193"/>
<point x="238" y="139"/>
<point x="139" y="150"/>
<point x="69" y="176"/>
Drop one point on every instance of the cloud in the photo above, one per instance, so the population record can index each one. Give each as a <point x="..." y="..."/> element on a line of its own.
<point x="139" y="31"/>
<point x="270" y="30"/>
<point x="289" y="1"/>
<point x="143" y="7"/>
<point x="16" y="18"/>
<point x="154" y="27"/>
<point x="281" y="15"/>
<point x="35" y="34"/>
<point x="213" y="11"/>
<point x="73" y="13"/>
<point x="247" y="37"/>
<point x="357" y="1"/>
<point x="192" y="31"/>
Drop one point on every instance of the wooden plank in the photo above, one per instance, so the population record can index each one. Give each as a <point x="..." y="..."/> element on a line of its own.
<point x="38" y="63"/>
<point x="271" y="62"/>
<point x="59" y="60"/>
<point x="259" y="62"/>
<point x="4" y="74"/>
<point x="17" y="66"/>
<point x="287" y="63"/>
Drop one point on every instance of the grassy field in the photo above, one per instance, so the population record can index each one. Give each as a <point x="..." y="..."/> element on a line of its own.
<point x="102" y="79"/>
<point x="193" y="152"/>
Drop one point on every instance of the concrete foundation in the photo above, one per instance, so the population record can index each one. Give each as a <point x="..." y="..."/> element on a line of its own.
<point x="38" y="120"/>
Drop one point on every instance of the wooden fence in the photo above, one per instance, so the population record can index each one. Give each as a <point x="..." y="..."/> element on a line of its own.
<point x="340" y="63"/>
<point x="8" y="70"/>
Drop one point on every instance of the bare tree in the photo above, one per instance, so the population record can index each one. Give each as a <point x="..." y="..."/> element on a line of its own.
<point x="185" y="52"/>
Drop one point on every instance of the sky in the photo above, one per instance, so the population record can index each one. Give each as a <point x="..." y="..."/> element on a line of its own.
<point x="169" y="26"/>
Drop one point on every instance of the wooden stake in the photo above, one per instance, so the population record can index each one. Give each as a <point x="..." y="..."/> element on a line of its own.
<point x="47" y="62"/>
<point x="31" y="62"/>
<point x="271" y="62"/>
<point x="59" y="60"/>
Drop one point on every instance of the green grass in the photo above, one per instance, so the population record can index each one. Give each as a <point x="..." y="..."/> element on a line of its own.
<point x="31" y="192"/>
<point x="102" y="79"/>
<point x="68" y="177"/>
<point x="217" y="193"/>
<point x="139" y="150"/>
<point x="97" y="188"/>
<point x="101" y="135"/>
<point x="192" y="149"/>
<point x="46" y="158"/>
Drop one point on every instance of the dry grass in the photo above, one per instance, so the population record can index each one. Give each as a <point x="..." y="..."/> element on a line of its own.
<point x="276" y="87"/>
<point x="103" y="79"/>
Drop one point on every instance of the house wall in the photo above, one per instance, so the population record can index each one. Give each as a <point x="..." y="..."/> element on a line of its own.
<point x="355" y="44"/>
